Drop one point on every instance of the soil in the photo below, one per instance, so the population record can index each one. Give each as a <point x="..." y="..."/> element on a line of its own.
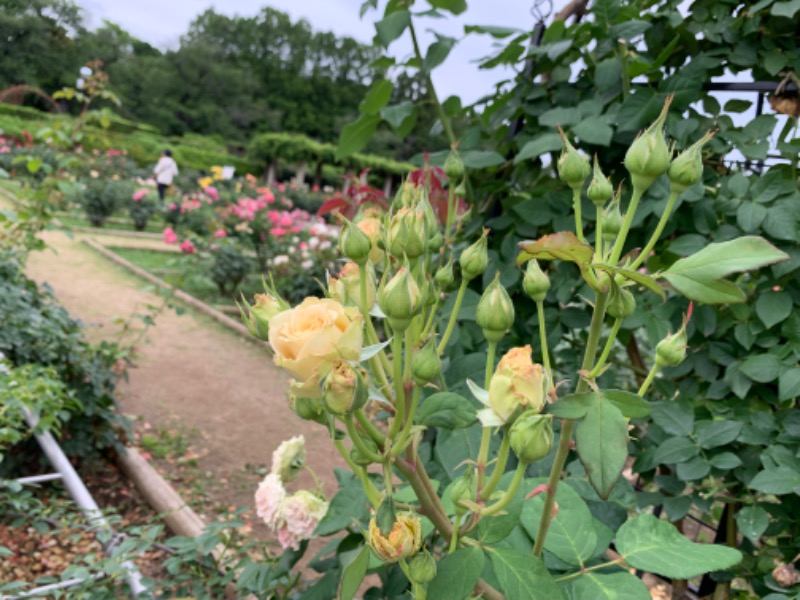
<point x="210" y="403"/>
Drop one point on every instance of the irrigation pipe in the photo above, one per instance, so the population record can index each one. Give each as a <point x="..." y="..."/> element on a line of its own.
<point x="81" y="496"/>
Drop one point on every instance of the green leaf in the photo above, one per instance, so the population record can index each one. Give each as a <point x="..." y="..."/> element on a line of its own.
<point x="725" y="460"/>
<point x="549" y="142"/>
<point x="401" y="117"/>
<point x="779" y="480"/>
<point x="594" y="130"/>
<point x="750" y="215"/>
<point x="773" y="307"/>
<point x="437" y="53"/>
<point x="353" y="573"/>
<point x="563" y="245"/>
<point x="711" y="434"/>
<point x="676" y="417"/>
<point x="572" y="536"/>
<point x="356" y="135"/>
<point x="348" y="505"/>
<point x="607" y="586"/>
<point x="457" y="574"/>
<point x="481" y="159"/>
<point x="700" y="276"/>
<point x="377" y="97"/>
<point x="655" y="546"/>
<point x="565" y="117"/>
<point x="676" y="450"/>
<point x="789" y="384"/>
<point x="762" y="368"/>
<point x="752" y="522"/>
<point x="522" y="575"/>
<point x="496" y="32"/>
<point x="575" y="406"/>
<point x="601" y="439"/>
<point x="454" y="6"/>
<point x="447" y="410"/>
<point x="640" y="278"/>
<point x="786" y="9"/>
<point x="392" y="27"/>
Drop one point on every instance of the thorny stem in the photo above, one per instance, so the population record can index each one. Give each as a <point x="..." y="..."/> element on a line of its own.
<point x="662" y="222"/>
<point x="543" y="343"/>
<point x="371" y="430"/>
<point x="567" y="426"/>
<point x="359" y="443"/>
<point x="399" y="393"/>
<point x="453" y="317"/>
<point x="486" y="436"/>
<point x="646" y="385"/>
<point x="406" y="431"/>
<point x="612" y="337"/>
<point x="598" y="234"/>
<point x="499" y="467"/>
<point x="454" y="537"/>
<point x="619" y="243"/>
<point x="509" y="494"/>
<point x="576" y="207"/>
<point x="378" y="362"/>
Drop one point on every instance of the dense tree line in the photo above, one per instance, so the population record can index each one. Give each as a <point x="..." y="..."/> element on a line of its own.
<point x="230" y="76"/>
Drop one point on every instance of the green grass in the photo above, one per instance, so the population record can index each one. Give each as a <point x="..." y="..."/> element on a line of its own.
<point x="10" y="185"/>
<point x="154" y="261"/>
<point x="121" y="225"/>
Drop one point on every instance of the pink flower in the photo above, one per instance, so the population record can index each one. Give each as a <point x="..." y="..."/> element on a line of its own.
<point x="303" y="245"/>
<point x="315" y="188"/>
<point x="270" y="497"/>
<point x="277" y="231"/>
<point x="172" y="206"/>
<point x="112" y="153"/>
<point x="170" y="237"/>
<point x="5" y="149"/>
<point x="212" y="193"/>
<point x="187" y="247"/>
<point x="219" y="233"/>
<point x="286" y="220"/>
<point x="281" y="187"/>
<point x="139" y="194"/>
<point x="302" y="512"/>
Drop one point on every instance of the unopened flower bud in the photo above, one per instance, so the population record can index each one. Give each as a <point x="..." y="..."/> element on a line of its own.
<point x="453" y="166"/>
<point x="531" y="436"/>
<point x="258" y="315"/>
<point x="400" y="299"/>
<point x="671" y="351"/>
<point x="354" y="243"/>
<point x="422" y="568"/>
<point x="649" y="156"/>
<point x="408" y="233"/>
<point x="621" y="303"/>
<point x="536" y="282"/>
<point x="359" y="458"/>
<point x="373" y="229"/>
<point x="308" y="409"/>
<point x="426" y="364"/>
<point x="518" y="384"/>
<point x="463" y="488"/>
<point x="403" y="540"/>
<point x="345" y="388"/>
<point x="445" y="278"/>
<point x="289" y="458"/>
<point x="612" y="221"/>
<point x="475" y="259"/>
<point x="435" y="242"/>
<point x="573" y="167"/>
<point x="461" y="189"/>
<point x="495" y="311"/>
<point x="687" y="168"/>
<point x="600" y="189"/>
<point x="350" y="284"/>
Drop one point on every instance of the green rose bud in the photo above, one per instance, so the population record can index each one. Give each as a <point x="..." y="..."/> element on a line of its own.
<point x="475" y="259"/>
<point x="345" y="388"/>
<point x="308" y="409"/>
<point x="354" y="243"/>
<point x="453" y="166"/>
<point x="400" y="299"/>
<point x="359" y="458"/>
<point x="518" y="384"/>
<point x="407" y="233"/>
<point x="612" y="221"/>
<point x="422" y="568"/>
<point x="687" y="168"/>
<point x="461" y="189"/>
<point x="445" y="278"/>
<point x="426" y="364"/>
<point x="256" y="317"/>
<point x="536" y="282"/>
<point x="531" y="436"/>
<point x="463" y="488"/>
<point x="600" y="189"/>
<point x="495" y="311"/>
<point x="671" y="351"/>
<point x="649" y="156"/>
<point x="621" y="303"/>
<point x="435" y="242"/>
<point x="573" y="167"/>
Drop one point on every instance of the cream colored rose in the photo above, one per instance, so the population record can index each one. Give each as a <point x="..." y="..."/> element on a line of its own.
<point x="518" y="384"/>
<point x="307" y="338"/>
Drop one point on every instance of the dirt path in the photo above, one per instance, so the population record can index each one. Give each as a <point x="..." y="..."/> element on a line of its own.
<point x="192" y="377"/>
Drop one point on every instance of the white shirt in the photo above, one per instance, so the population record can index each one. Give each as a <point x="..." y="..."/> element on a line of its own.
<point x="165" y="170"/>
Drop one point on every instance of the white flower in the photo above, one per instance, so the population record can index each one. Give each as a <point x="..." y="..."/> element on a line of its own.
<point x="289" y="458"/>
<point x="307" y="264"/>
<point x="270" y="497"/>
<point x="325" y="245"/>
<point x="302" y="513"/>
<point x="280" y="260"/>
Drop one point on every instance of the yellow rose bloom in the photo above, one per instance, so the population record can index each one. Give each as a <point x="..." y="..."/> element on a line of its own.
<point x="518" y="384"/>
<point x="404" y="539"/>
<point x="307" y="338"/>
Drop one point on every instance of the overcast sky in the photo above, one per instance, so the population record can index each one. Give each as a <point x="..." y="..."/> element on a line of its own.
<point x="162" y="22"/>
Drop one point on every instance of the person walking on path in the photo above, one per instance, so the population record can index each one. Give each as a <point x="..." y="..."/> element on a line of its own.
<point x="164" y="172"/>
